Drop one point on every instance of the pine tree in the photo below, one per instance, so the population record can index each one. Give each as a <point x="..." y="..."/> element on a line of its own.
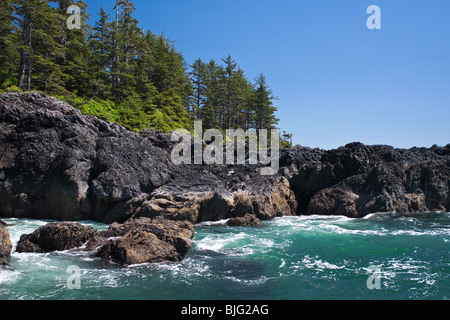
<point x="39" y="26"/>
<point x="287" y="139"/>
<point x="169" y="70"/>
<point x="142" y="68"/>
<point x="75" y="66"/>
<point x="126" y="35"/>
<point x="25" y="11"/>
<point x="8" y="39"/>
<point x="263" y="106"/>
<point x="241" y="100"/>
<point x="117" y="72"/>
<point x="198" y="78"/>
<point x="168" y="74"/>
<point x="213" y="111"/>
<point x="230" y="66"/>
<point x="100" y="45"/>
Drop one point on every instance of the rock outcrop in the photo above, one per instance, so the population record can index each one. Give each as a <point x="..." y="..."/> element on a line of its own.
<point x="136" y="241"/>
<point x="248" y="220"/>
<point x="145" y="241"/>
<point x="5" y="245"/>
<point x="56" y="163"/>
<point x="357" y="180"/>
<point x="56" y="236"/>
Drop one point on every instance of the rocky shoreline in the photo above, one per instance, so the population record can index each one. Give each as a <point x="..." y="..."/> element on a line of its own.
<point x="56" y="163"/>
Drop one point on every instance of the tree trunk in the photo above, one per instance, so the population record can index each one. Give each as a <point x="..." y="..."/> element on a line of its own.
<point x="22" y="66"/>
<point x="25" y="54"/>
<point x="29" y="68"/>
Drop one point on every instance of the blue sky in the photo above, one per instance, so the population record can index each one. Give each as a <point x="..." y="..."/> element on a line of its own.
<point x="336" y="80"/>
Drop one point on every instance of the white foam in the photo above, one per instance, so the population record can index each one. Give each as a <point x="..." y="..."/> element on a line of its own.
<point x="319" y="264"/>
<point x="258" y="281"/>
<point x="218" y="243"/>
<point x="213" y="223"/>
<point x="9" y="276"/>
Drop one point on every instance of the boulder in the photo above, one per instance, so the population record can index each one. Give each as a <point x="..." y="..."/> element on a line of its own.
<point x="5" y="245"/>
<point x="247" y="220"/>
<point x="145" y="241"/>
<point x="57" y="236"/>
<point x="136" y="241"/>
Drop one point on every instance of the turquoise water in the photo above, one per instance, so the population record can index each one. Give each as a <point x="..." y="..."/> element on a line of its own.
<point x="290" y="258"/>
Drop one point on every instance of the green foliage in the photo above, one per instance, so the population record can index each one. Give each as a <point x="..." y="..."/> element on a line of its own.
<point x="161" y="121"/>
<point x="225" y="98"/>
<point x="8" y="39"/>
<point x="286" y="140"/>
<point x="116" y="72"/>
<point x="102" y="109"/>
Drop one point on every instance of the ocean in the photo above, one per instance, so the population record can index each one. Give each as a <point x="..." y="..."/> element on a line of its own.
<point x="380" y="257"/>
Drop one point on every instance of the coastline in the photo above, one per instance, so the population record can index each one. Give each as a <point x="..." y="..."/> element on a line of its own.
<point x="59" y="164"/>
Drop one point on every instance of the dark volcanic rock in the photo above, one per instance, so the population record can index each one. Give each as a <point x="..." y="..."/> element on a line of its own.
<point x="357" y="180"/>
<point x="57" y="236"/>
<point x="56" y="163"/>
<point x="5" y="245"/>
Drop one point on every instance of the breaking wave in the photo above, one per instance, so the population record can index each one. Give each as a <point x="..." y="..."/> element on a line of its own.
<point x="305" y="257"/>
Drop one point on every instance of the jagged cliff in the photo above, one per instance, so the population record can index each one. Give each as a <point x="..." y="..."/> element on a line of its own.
<point x="56" y="163"/>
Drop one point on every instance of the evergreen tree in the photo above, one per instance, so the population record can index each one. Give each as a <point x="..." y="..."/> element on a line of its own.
<point x="286" y="141"/>
<point x="125" y="35"/>
<point x="25" y="12"/>
<point x="213" y="111"/>
<point x="263" y="106"/>
<point x="76" y="57"/>
<point x="8" y="38"/>
<point x="226" y="94"/>
<point x="169" y="70"/>
<point x="100" y="45"/>
<point x="168" y="74"/>
<point x="198" y="78"/>
<point x="118" y="73"/>
<point x="39" y="26"/>
<point x="230" y="66"/>
<point x="142" y="68"/>
<point x="241" y="100"/>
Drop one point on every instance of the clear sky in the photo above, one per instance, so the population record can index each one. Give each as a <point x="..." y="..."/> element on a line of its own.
<point x="336" y="80"/>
